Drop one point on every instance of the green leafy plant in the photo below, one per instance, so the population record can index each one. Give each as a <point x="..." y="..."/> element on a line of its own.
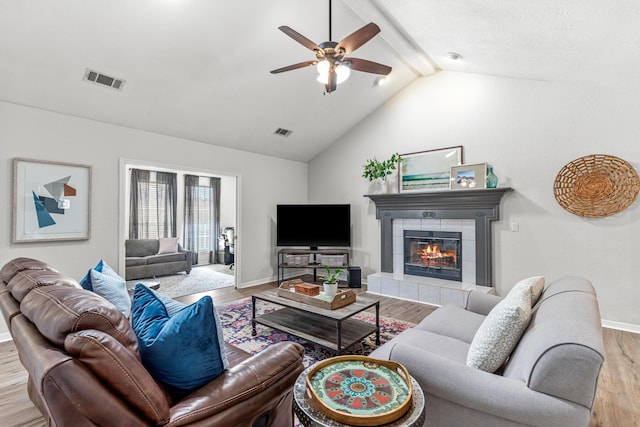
<point x="376" y="169"/>
<point x="331" y="277"/>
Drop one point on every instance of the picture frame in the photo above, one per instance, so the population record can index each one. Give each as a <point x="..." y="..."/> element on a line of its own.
<point x="469" y="177"/>
<point x="428" y="170"/>
<point x="51" y="201"/>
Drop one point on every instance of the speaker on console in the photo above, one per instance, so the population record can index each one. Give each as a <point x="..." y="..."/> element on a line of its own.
<point x="355" y="277"/>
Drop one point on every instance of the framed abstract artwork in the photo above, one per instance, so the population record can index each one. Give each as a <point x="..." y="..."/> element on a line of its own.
<point x="428" y="170"/>
<point x="51" y="201"/>
<point x="469" y="177"/>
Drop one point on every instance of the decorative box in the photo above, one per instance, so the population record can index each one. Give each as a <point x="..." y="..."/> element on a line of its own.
<point x="307" y="289"/>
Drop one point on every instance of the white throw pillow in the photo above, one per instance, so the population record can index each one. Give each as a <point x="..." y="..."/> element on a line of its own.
<point x="168" y="245"/>
<point x="535" y="284"/>
<point x="500" y="331"/>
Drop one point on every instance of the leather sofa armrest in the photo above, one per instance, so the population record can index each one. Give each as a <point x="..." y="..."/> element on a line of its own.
<point x="255" y="375"/>
<point x="481" y="303"/>
<point x="488" y="393"/>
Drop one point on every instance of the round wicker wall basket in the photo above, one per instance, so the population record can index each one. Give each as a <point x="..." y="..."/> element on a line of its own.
<point x="596" y="186"/>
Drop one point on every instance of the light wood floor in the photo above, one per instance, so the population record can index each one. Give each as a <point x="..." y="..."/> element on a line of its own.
<point x="617" y="400"/>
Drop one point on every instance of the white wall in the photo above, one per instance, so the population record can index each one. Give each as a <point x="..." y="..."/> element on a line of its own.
<point x="527" y="130"/>
<point x="227" y="202"/>
<point x="263" y="182"/>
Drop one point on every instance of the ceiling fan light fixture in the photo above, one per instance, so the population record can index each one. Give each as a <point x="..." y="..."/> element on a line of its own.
<point x="332" y="65"/>
<point x="342" y="72"/>
<point x="323" y="67"/>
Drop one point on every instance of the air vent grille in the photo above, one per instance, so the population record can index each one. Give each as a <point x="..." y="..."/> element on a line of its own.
<point x="283" y="132"/>
<point x="102" y="79"/>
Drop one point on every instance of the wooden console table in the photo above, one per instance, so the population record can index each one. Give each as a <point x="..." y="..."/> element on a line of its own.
<point x="313" y="260"/>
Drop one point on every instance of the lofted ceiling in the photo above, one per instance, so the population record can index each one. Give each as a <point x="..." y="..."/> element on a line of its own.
<point x="199" y="69"/>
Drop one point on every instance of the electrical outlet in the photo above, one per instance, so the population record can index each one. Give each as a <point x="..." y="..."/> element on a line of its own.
<point x="515" y="227"/>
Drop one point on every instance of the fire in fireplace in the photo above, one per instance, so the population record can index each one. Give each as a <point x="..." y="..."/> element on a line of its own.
<point x="433" y="254"/>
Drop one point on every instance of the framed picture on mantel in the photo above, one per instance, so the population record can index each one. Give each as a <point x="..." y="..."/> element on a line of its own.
<point x="469" y="177"/>
<point x="428" y="170"/>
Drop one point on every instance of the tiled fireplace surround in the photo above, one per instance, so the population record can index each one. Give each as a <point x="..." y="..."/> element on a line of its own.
<point x="470" y="212"/>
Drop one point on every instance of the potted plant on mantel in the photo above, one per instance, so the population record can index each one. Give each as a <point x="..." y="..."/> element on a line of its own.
<point x="375" y="169"/>
<point x="330" y="283"/>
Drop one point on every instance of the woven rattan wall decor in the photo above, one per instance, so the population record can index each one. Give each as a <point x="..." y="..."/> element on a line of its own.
<point x="596" y="186"/>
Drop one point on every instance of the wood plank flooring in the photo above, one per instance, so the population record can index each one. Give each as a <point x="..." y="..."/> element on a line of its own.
<point x="617" y="399"/>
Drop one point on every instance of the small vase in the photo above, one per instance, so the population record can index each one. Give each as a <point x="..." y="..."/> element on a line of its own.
<point x="492" y="179"/>
<point x="384" y="186"/>
<point x="330" y="289"/>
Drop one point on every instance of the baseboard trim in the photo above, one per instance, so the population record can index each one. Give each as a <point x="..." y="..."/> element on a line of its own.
<point x="274" y="279"/>
<point x="256" y="282"/>
<point x="627" y="327"/>
<point x="5" y="336"/>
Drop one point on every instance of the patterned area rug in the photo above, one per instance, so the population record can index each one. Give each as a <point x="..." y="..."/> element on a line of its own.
<point x="201" y="279"/>
<point x="236" y="325"/>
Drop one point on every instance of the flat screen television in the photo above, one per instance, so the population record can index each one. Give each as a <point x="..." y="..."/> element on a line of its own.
<point x="313" y="225"/>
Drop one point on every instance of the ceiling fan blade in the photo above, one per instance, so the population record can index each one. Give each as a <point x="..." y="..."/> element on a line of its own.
<point x="299" y="38"/>
<point x="358" y="38"/>
<point x="332" y="84"/>
<point x="294" y="66"/>
<point x="367" y="66"/>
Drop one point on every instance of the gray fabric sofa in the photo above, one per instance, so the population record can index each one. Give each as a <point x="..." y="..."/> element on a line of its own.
<point x="143" y="261"/>
<point x="549" y="379"/>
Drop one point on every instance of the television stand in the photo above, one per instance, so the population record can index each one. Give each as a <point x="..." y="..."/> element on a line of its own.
<point x="309" y="259"/>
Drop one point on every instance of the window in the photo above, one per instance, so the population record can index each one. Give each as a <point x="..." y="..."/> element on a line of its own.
<point x="153" y="204"/>
<point x="202" y="215"/>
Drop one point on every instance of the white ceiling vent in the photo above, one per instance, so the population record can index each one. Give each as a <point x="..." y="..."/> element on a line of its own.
<point x="283" y="132"/>
<point x="102" y="79"/>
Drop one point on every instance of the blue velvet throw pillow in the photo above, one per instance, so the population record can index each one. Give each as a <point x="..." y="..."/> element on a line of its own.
<point x="172" y="306"/>
<point x="182" y="351"/>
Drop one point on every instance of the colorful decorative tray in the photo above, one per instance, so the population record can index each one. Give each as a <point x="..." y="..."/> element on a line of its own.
<point x="360" y="390"/>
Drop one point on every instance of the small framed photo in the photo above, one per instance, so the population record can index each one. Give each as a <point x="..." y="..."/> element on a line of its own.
<point x="469" y="177"/>
<point x="51" y="201"/>
<point x="428" y="170"/>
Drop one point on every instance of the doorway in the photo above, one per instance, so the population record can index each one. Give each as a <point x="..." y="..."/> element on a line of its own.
<point x="206" y="206"/>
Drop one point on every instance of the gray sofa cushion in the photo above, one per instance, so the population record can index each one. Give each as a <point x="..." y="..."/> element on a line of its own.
<point x="141" y="247"/>
<point x="439" y="345"/>
<point x="164" y="258"/>
<point x="133" y="261"/>
<point x="441" y="322"/>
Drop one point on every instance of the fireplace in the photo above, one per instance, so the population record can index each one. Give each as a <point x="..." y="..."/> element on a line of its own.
<point x="433" y="254"/>
<point x="481" y="207"/>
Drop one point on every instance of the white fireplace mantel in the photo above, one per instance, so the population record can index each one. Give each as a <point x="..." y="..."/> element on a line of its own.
<point x="482" y="206"/>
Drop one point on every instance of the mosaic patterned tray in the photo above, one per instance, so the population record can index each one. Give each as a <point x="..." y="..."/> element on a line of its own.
<point x="359" y="390"/>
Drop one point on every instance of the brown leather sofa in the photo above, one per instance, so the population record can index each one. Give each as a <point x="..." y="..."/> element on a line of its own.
<point x="84" y="369"/>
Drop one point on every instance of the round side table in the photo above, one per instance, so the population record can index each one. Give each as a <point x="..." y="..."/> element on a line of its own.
<point x="309" y="416"/>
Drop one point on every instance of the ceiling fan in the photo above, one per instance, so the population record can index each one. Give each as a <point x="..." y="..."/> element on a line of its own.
<point x="332" y="64"/>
